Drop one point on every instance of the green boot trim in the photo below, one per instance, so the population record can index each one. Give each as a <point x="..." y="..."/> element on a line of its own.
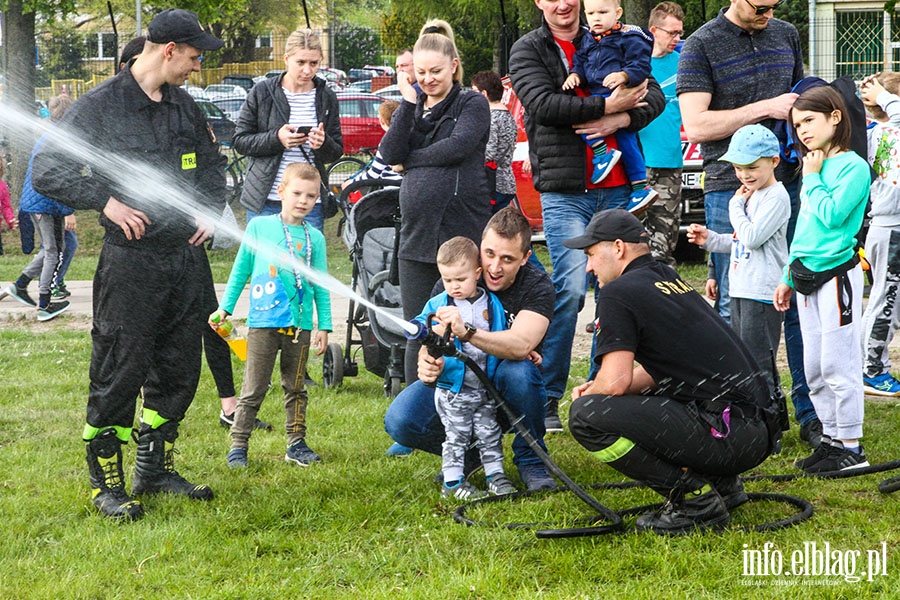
<point x="697" y="493"/>
<point x="90" y="432"/>
<point x="152" y="418"/>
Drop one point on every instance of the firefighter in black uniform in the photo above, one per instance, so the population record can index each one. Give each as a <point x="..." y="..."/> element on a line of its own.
<point x="137" y="149"/>
<point x="678" y="402"/>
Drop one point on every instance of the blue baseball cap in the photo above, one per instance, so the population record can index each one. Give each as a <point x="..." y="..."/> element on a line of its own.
<point x="750" y="143"/>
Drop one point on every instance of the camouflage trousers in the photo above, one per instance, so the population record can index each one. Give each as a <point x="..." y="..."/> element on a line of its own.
<point x="466" y="415"/>
<point x="663" y="218"/>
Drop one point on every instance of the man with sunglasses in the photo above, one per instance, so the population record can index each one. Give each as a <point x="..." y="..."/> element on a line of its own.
<point x="739" y="69"/>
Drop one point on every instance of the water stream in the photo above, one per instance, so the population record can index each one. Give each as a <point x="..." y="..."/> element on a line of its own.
<point x="153" y="187"/>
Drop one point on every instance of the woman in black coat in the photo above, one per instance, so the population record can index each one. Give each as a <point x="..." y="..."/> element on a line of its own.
<point x="289" y="118"/>
<point x="437" y="139"/>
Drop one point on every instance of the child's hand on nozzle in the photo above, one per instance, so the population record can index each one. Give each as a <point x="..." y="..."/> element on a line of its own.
<point x="217" y="318"/>
<point x="321" y="342"/>
<point x="712" y="289"/>
<point x="697" y="234"/>
<point x="571" y="82"/>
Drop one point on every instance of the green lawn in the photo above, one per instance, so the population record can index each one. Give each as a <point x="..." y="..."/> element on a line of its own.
<point x="361" y="525"/>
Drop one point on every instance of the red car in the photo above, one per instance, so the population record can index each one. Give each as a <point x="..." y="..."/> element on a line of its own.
<point x="359" y="121"/>
<point x="529" y="199"/>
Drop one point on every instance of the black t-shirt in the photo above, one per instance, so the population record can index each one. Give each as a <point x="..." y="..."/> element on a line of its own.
<point x="531" y="290"/>
<point x="691" y="352"/>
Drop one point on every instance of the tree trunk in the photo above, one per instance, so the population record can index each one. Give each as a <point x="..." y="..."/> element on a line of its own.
<point x="19" y="88"/>
<point x="637" y="11"/>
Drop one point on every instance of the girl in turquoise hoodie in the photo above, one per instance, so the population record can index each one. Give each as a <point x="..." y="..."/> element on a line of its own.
<point x="823" y="268"/>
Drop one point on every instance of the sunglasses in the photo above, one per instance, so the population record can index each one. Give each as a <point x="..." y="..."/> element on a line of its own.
<point x="761" y="10"/>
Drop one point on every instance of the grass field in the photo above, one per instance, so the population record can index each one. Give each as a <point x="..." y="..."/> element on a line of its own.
<point x="361" y="525"/>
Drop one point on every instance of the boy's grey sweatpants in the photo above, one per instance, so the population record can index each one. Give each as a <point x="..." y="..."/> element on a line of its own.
<point x="51" y="229"/>
<point x="832" y="355"/>
<point x="882" y="316"/>
<point x="464" y="415"/>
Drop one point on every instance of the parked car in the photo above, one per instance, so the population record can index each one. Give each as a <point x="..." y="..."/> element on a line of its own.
<point x="359" y="121"/>
<point x="274" y="73"/>
<point x="222" y="127"/>
<point x="355" y="75"/>
<point x="529" y="199"/>
<point x="336" y="78"/>
<point x="195" y="91"/>
<point x="363" y="86"/>
<point x="391" y="92"/>
<point x="381" y="70"/>
<point x="222" y="90"/>
<point x="244" y="81"/>
<point x="231" y="106"/>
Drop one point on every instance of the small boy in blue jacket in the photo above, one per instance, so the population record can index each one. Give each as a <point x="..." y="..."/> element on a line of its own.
<point x="460" y="398"/>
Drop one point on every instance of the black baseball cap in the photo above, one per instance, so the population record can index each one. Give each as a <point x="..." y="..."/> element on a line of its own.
<point x="608" y="226"/>
<point x="182" y="27"/>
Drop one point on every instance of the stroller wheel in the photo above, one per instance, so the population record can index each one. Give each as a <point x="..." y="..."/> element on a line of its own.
<point x="333" y="366"/>
<point x="391" y="385"/>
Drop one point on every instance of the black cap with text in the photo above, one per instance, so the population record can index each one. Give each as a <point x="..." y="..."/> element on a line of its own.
<point x="182" y="27"/>
<point x="608" y="226"/>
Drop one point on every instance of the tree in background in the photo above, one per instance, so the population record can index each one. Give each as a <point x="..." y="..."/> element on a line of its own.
<point x="61" y="53"/>
<point x="485" y="29"/>
<point x="355" y="46"/>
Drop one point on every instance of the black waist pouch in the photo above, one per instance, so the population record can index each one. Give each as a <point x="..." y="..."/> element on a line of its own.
<point x="806" y="282"/>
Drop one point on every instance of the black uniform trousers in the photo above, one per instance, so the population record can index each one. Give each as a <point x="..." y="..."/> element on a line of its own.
<point x="663" y="437"/>
<point x="148" y="320"/>
<point x="218" y="354"/>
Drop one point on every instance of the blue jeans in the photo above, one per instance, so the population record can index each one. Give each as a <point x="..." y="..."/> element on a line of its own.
<point x="804" y="411"/>
<point x="314" y="218"/>
<point x="566" y="216"/>
<point x="412" y="420"/>
<point x="716" y="206"/>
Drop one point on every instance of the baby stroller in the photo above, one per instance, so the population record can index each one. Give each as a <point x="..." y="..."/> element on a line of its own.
<point x="371" y="230"/>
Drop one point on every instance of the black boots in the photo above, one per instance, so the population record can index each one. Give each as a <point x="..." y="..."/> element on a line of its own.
<point x="104" y="459"/>
<point x="684" y="513"/>
<point x="154" y="470"/>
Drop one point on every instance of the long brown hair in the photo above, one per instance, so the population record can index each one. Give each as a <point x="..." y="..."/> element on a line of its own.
<point x="823" y="99"/>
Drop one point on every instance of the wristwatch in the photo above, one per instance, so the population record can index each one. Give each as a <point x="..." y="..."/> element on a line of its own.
<point x="470" y="331"/>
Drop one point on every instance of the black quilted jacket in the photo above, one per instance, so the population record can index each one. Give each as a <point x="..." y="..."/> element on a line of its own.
<point x="256" y="136"/>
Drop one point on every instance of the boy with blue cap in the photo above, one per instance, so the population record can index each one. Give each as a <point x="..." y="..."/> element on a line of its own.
<point x="759" y="213"/>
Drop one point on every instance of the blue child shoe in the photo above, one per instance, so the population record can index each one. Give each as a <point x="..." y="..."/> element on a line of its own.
<point x="604" y="164"/>
<point x="641" y="200"/>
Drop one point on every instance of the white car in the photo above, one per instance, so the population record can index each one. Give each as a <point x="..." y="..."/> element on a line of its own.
<point x="196" y="92"/>
<point x="391" y="92"/>
<point x="223" y="90"/>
